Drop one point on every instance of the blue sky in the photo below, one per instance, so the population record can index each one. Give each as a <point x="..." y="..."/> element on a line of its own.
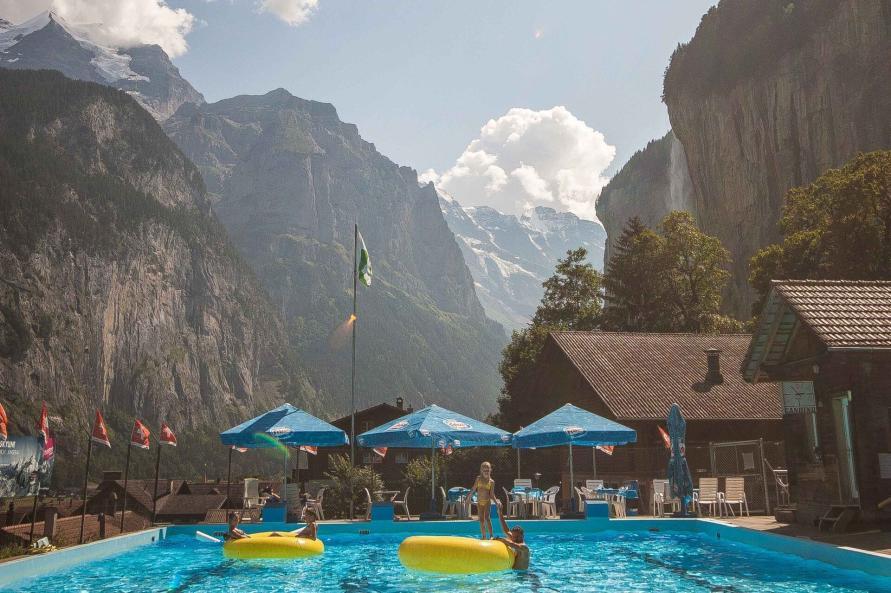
<point x="421" y="77"/>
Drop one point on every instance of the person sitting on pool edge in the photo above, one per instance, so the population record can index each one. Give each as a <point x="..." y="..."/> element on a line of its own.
<point x="234" y="532"/>
<point x="515" y="539"/>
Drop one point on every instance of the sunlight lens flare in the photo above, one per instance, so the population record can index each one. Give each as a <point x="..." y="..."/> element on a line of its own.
<point x="262" y="437"/>
<point x="340" y="337"/>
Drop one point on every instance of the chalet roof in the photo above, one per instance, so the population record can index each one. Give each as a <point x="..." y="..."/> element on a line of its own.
<point x="392" y="410"/>
<point x="138" y="491"/>
<point x="640" y="375"/>
<point x="191" y="504"/>
<point x="842" y="314"/>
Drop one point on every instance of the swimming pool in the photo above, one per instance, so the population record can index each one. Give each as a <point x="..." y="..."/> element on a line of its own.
<point x="613" y="561"/>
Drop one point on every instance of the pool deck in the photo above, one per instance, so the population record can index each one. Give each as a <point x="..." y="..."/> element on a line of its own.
<point x="872" y="540"/>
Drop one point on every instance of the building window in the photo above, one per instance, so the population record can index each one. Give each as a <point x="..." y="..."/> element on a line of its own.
<point x="401" y="458"/>
<point x="812" y="437"/>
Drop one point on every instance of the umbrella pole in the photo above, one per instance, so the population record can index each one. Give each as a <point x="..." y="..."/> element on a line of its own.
<point x="595" y="461"/>
<point x="571" y="480"/>
<point x="285" y="485"/>
<point x="432" y="477"/>
<point x="229" y="483"/>
<point x="518" y="464"/>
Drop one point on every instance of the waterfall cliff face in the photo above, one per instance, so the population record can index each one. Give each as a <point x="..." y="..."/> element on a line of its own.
<point x="652" y="183"/>
<point x="767" y="96"/>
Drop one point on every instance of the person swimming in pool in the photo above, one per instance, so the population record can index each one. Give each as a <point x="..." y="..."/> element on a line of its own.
<point x="515" y="539"/>
<point x="310" y="530"/>
<point x="234" y="532"/>
<point x="484" y="486"/>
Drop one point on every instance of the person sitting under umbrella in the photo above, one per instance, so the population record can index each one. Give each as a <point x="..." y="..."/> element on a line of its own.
<point x="514" y="539"/>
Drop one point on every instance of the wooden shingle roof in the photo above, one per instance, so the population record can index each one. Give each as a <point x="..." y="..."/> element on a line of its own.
<point x="640" y="375"/>
<point x="842" y="313"/>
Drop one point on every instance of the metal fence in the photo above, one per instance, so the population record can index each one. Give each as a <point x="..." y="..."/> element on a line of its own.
<point x="752" y="460"/>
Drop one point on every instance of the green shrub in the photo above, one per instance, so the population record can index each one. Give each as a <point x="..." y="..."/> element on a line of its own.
<point x="344" y="476"/>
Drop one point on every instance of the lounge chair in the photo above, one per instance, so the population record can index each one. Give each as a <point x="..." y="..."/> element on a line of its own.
<point x="402" y="503"/>
<point x="735" y="493"/>
<point x="709" y="496"/>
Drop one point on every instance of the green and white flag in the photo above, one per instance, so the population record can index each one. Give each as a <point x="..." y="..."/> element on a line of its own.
<point x="365" y="272"/>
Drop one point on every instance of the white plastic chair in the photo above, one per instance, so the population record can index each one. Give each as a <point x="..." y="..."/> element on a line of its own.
<point x="735" y="493"/>
<point x="251" y="493"/>
<point x="659" y="497"/>
<point x="709" y="496"/>
<point x="617" y="505"/>
<point x="593" y="484"/>
<point x="449" y="507"/>
<point x="316" y="504"/>
<point x="549" y="502"/>
<point x="515" y="504"/>
<point x="402" y="503"/>
<point x="368" y="510"/>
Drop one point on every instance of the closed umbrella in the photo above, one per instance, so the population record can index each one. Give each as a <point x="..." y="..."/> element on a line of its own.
<point x="571" y="425"/>
<point x="431" y="427"/>
<point x="679" y="481"/>
<point x="282" y="427"/>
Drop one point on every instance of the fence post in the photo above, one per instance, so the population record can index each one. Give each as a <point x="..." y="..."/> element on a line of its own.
<point x="101" y="518"/>
<point x="50" y="514"/>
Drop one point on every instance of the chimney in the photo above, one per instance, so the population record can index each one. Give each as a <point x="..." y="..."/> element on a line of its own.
<point x="399" y="402"/>
<point x="713" y="359"/>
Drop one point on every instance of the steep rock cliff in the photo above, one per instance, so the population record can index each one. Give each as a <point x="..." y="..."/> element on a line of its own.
<point x="289" y="180"/>
<point x="651" y="184"/>
<point x="768" y="95"/>
<point x="120" y="291"/>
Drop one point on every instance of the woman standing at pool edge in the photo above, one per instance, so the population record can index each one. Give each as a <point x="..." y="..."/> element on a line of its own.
<point x="484" y="486"/>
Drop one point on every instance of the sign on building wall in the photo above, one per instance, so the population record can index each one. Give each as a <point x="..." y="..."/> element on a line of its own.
<point x="22" y="457"/>
<point x="798" y="397"/>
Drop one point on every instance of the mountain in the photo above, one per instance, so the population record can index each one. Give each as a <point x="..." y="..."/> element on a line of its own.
<point x="119" y="289"/>
<point x="651" y="184"/>
<point x="510" y="256"/>
<point x="289" y="180"/>
<point x="145" y="72"/>
<point x="767" y="96"/>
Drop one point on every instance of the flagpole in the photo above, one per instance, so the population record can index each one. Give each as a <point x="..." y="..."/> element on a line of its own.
<point x="126" y="476"/>
<point x="571" y="481"/>
<point x="353" y="368"/>
<point x="155" y="496"/>
<point x="83" y="512"/>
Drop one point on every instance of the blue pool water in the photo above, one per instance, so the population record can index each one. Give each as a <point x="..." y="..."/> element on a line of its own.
<point x="606" y="561"/>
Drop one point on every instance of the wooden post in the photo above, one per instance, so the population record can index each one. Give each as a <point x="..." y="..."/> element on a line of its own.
<point x="83" y="512"/>
<point x="126" y="476"/>
<point x="155" y="496"/>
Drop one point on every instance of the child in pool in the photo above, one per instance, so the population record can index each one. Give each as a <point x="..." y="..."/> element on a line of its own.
<point x="310" y="530"/>
<point x="234" y="532"/>
<point x="484" y="486"/>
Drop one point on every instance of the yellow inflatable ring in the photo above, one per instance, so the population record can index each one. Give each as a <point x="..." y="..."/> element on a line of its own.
<point x="454" y="555"/>
<point x="273" y="544"/>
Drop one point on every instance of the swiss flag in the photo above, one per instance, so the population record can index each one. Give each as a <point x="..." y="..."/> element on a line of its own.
<point x="167" y="437"/>
<point x="140" y="435"/>
<point x="309" y="449"/>
<point x="43" y="424"/>
<point x="239" y="449"/>
<point x="665" y="438"/>
<point x="382" y="451"/>
<point x="4" y="422"/>
<point x="100" y="431"/>
<point x="608" y="449"/>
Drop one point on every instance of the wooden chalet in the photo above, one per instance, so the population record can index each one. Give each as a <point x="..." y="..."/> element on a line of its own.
<point x="634" y="378"/>
<point x="829" y="344"/>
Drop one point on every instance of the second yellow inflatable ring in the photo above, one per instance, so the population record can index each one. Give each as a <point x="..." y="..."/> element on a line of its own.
<point x="272" y="544"/>
<point x="454" y="555"/>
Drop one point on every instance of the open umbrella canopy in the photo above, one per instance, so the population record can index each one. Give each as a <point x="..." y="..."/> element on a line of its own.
<point x="434" y="427"/>
<point x="573" y="425"/>
<point x="284" y="425"/>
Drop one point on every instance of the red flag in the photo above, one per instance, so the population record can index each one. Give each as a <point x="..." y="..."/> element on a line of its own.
<point x="4" y="422"/>
<point x="43" y="424"/>
<point x="100" y="431"/>
<point x="167" y="437"/>
<point x="239" y="449"/>
<point x="309" y="449"/>
<point x="608" y="449"/>
<point x="665" y="438"/>
<point x="140" y="435"/>
<point x="382" y="451"/>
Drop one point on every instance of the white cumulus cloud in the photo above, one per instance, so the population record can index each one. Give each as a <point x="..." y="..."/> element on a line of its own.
<point x="293" y="12"/>
<point x="117" y="23"/>
<point x="529" y="158"/>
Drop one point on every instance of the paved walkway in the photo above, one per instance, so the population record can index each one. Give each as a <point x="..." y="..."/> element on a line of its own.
<point x="872" y="540"/>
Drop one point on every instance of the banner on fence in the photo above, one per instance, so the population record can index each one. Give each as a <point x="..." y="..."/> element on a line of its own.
<point x="20" y="456"/>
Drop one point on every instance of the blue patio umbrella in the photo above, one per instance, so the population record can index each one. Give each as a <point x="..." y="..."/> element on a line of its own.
<point x="679" y="480"/>
<point x="282" y="427"/>
<point x="571" y="425"/>
<point x="434" y="427"/>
